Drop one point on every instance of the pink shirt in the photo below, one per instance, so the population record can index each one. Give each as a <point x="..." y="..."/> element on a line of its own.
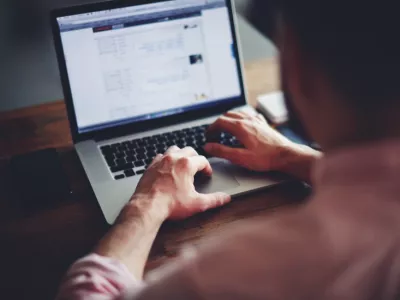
<point x="343" y="244"/>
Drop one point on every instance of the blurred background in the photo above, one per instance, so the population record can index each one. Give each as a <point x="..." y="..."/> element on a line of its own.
<point x="29" y="71"/>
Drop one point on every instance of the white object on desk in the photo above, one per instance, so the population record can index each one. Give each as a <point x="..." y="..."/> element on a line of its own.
<point x="273" y="107"/>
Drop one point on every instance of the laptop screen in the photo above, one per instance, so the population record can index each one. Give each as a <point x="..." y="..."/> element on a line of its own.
<point x="149" y="61"/>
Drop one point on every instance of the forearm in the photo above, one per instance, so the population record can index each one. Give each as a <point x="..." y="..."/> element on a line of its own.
<point x="298" y="162"/>
<point x="132" y="237"/>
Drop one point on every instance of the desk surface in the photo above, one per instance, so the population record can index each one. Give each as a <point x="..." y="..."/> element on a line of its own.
<point x="36" y="251"/>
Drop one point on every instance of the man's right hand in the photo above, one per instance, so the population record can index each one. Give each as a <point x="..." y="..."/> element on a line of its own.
<point x="265" y="149"/>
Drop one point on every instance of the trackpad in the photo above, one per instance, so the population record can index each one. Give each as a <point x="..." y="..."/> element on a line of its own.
<point x="220" y="181"/>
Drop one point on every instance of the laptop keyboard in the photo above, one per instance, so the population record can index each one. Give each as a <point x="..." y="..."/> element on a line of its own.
<point x="132" y="157"/>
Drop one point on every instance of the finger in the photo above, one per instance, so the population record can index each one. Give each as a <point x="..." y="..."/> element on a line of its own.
<point x="225" y="124"/>
<point x="156" y="159"/>
<point x="172" y="149"/>
<point x="234" y="155"/>
<point x="187" y="152"/>
<point x="247" y="115"/>
<point x="200" y="164"/>
<point x="210" y="201"/>
<point x="261" y="118"/>
<point x="234" y="115"/>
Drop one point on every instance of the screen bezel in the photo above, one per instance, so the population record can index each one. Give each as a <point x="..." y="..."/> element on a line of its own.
<point x="130" y="128"/>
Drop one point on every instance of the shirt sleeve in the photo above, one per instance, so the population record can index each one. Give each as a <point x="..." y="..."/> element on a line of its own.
<point x="97" y="278"/>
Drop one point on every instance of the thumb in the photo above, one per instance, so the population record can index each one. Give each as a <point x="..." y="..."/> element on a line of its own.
<point x="210" y="201"/>
<point x="234" y="155"/>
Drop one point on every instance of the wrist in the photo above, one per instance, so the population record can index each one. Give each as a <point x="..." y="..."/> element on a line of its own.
<point x="148" y="209"/>
<point x="130" y="239"/>
<point x="297" y="160"/>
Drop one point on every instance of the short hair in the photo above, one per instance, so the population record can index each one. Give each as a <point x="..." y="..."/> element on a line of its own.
<point x="355" y="42"/>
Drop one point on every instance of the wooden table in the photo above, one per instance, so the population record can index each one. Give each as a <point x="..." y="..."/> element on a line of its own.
<point x="36" y="251"/>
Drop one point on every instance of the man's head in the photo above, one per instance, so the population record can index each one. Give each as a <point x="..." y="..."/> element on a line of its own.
<point x="339" y="64"/>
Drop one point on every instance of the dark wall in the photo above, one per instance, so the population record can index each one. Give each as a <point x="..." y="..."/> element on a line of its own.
<point x="28" y="70"/>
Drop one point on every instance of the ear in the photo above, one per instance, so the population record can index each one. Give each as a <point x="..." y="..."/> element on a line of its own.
<point x="312" y="98"/>
<point x="301" y="85"/>
<point x="297" y="74"/>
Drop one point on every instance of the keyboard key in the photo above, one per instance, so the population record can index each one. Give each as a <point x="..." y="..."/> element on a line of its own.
<point x="120" y="168"/>
<point x="108" y="155"/>
<point x="111" y="163"/>
<point x="128" y="165"/>
<point x="162" y="139"/>
<point x="129" y="173"/>
<point x="120" y="155"/>
<point x="140" y="172"/>
<point x="151" y="154"/>
<point x="120" y="161"/>
<point x="106" y="149"/>
<point x="136" y="142"/>
<point x="191" y="144"/>
<point x="161" y="149"/>
<point x="130" y="158"/>
<point x="133" y="144"/>
<point x="169" y="136"/>
<point x="150" y="148"/>
<point x="139" y="164"/>
<point x="198" y="136"/>
<point x="148" y="161"/>
<point x="115" y="169"/>
<point x="141" y="150"/>
<point x="141" y="156"/>
<point x="119" y="177"/>
<point x="152" y="141"/>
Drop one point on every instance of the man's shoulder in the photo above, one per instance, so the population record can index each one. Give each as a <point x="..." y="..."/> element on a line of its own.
<point x="254" y="252"/>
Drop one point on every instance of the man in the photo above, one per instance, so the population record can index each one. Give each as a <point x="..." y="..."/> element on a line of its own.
<point x="339" y="63"/>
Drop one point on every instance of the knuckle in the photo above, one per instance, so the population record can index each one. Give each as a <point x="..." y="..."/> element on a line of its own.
<point x="204" y="160"/>
<point x="168" y="158"/>
<point x="221" y="121"/>
<point x="172" y="148"/>
<point x="191" y="149"/>
<point x="184" y="163"/>
<point x="240" y="124"/>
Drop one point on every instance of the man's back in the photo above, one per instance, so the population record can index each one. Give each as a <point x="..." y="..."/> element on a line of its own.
<point x="343" y="244"/>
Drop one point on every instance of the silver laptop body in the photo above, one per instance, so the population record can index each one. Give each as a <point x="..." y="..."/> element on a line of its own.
<point x="143" y="76"/>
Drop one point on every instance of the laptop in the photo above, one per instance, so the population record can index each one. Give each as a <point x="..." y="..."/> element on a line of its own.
<point x="142" y="76"/>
